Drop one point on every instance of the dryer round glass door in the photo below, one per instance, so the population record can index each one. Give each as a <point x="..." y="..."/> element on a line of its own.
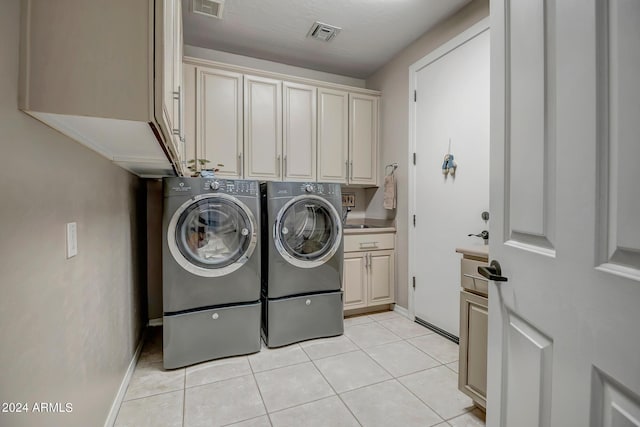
<point x="307" y="231"/>
<point x="212" y="235"/>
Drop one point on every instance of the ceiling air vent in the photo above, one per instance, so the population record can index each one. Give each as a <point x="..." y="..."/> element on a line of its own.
<point x="323" y="32"/>
<point x="210" y="8"/>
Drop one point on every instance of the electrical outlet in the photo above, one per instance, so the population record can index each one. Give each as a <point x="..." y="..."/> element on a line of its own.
<point x="349" y="200"/>
<point x="72" y="240"/>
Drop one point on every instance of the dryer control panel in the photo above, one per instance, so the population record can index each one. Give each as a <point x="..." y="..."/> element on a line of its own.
<point x="319" y="188"/>
<point x="231" y="186"/>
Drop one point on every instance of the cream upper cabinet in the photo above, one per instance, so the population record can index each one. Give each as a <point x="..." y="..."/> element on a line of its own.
<point x="262" y="128"/>
<point x="363" y="139"/>
<point x="107" y="80"/>
<point x="190" y="77"/>
<point x="172" y="78"/>
<point x="299" y="132"/>
<point x="347" y="137"/>
<point x="268" y="126"/>
<point x="219" y="124"/>
<point x="333" y="135"/>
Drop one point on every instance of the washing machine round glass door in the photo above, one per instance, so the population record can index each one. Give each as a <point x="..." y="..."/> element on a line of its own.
<point x="212" y="235"/>
<point x="307" y="231"/>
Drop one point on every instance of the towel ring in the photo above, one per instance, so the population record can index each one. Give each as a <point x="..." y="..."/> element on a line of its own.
<point x="393" y="167"/>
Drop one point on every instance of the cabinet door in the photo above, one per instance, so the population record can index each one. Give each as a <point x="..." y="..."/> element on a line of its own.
<point x="168" y="69"/>
<point x="263" y="128"/>
<point x="170" y="74"/>
<point x="219" y="118"/>
<point x="363" y="139"/>
<point x="299" y="132"/>
<point x="355" y="280"/>
<point x="178" y="84"/>
<point x="189" y="76"/>
<point x="474" y="317"/>
<point x="381" y="277"/>
<point x="333" y="134"/>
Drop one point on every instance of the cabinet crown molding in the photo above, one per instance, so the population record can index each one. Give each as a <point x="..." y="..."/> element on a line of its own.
<point x="279" y="76"/>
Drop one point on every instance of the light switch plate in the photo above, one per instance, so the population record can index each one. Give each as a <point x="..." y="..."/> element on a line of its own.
<point x="72" y="240"/>
<point x="349" y="200"/>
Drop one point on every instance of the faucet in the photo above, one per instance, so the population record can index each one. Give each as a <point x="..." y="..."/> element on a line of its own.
<point x="345" y="212"/>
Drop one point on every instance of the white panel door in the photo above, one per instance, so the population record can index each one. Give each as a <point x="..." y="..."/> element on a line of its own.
<point x="263" y="128"/>
<point x="565" y="202"/>
<point x="452" y="104"/>
<point x="363" y="139"/>
<point x="333" y="117"/>
<point x="299" y="132"/>
<point x="219" y="134"/>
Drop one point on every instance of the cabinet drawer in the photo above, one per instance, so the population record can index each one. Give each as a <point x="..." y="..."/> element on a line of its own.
<point x="368" y="242"/>
<point x="470" y="278"/>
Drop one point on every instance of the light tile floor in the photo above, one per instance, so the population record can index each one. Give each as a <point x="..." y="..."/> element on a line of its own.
<point x="384" y="371"/>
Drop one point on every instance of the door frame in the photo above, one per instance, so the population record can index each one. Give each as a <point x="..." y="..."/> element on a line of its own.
<point x="471" y="32"/>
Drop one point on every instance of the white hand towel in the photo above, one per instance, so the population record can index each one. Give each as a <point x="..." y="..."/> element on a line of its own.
<point x="389" y="192"/>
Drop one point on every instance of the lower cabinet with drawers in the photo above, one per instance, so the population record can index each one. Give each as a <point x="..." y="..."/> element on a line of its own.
<point x="474" y="317"/>
<point x="369" y="270"/>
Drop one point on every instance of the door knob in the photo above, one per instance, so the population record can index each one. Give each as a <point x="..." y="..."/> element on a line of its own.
<point x="492" y="272"/>
<point x="484" y="234"/>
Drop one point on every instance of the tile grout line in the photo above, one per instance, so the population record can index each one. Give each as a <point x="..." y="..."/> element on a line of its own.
<point x="398" y="381"/>
<point x="255" y="381"/>
<point x="184" y="397"/>
<point x="332" y="388"/>
<point x="152" y="395"/>
<point x="425" y="403"/>
<point x="433" y="357"/>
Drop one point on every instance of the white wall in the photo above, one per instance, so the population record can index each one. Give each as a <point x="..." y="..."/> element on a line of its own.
<point x="393" y="81"/>
<point x="69" y="326"/>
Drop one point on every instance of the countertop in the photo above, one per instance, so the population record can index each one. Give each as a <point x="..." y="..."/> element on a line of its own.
<point x="477" y="251"/>
<point x="375" y="226"/>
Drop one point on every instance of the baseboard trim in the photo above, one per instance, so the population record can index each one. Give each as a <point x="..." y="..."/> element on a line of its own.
<point x="155" y="322"/>
<point x="115" y="407"/>
<point x="437" y="330"/>
<point x="402" y="311"/>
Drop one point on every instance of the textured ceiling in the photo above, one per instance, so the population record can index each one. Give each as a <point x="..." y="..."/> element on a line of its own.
<point x="373" y="31"/>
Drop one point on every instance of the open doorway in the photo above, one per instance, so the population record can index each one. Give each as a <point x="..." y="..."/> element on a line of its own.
<point x="449" y="186"/>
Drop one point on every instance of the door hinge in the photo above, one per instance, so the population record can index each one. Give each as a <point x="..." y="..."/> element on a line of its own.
<point x="414" y="158"/>
<point x="414" y="282"/>
<point x="414" y="220"/>
<point x="415" y="96"/>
